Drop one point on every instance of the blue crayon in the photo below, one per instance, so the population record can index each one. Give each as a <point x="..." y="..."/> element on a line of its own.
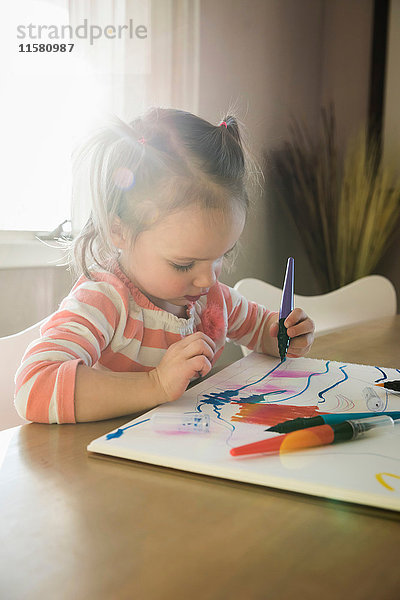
<point x="328" y="419"/>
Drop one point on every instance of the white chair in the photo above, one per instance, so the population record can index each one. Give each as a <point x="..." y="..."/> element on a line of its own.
<point x="367" y="298"/>
<point x="12" y="349"/>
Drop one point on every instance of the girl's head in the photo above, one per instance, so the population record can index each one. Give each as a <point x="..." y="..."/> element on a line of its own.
<point x="163" y="170"/>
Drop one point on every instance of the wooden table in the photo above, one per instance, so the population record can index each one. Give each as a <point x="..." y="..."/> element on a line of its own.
<point x="76" y="527"/>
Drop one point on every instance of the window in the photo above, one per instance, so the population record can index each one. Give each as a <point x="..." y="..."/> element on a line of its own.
<point x="147" y="54"/>
<point x="48" y="99"/>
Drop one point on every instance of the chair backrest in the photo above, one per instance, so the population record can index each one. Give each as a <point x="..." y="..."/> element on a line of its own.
<point x="367" y="298"/>
<point x="12" y="349"/>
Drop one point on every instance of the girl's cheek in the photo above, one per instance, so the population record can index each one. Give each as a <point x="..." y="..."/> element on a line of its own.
<point x="178" y="282"/>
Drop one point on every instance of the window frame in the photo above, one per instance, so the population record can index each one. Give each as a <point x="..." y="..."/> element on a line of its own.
<point x="22" y="249"/>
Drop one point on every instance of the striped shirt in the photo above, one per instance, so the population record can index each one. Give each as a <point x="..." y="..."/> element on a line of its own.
<point x="109" y="324"/>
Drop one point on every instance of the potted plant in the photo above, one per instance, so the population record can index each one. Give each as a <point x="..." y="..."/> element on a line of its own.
<point x="346" y="209"/>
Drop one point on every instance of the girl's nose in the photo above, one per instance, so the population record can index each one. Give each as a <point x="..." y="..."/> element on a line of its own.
<point x="205" y="278"/>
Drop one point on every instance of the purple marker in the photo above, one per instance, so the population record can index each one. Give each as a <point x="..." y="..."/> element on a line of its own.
<point x="286" y="308"/>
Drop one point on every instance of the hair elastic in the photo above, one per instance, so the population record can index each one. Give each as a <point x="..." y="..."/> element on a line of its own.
<point x="223" y="123"/>
<point x="141" y="140"/>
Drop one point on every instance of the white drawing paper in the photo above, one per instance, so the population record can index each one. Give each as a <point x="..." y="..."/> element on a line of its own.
<point x="258" y="391"/>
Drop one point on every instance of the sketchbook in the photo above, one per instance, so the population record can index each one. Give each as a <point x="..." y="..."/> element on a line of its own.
<point x="257" y="392"/>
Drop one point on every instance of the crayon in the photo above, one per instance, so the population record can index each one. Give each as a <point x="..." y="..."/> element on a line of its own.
<point x="326" y="419"/>
<point x="286" y="308"/>
<point x="393" y="386"/>
<point x="314" y="436"/>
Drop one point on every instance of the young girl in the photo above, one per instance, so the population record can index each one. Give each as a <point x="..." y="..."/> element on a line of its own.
<point x="148" y="314"/>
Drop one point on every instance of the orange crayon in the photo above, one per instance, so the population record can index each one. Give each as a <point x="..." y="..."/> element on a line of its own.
<point x="393" y="386"/>
<point x="321" y="435"/>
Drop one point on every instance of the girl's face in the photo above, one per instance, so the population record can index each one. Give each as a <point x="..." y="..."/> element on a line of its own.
<point x="179" y="259"/>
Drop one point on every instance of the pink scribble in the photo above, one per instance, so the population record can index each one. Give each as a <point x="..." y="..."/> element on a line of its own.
<point x="292" y="374"/>
<point x="343" y="403"/>
<point x="267" y="389"/>
<point x="172" y="432"/>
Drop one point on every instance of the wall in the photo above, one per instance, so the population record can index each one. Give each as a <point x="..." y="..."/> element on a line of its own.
<point x="345" y="65"/>
<point x="262" y="57"/>
<point x="391" y="130"/>
<point x="276" y="59"/>
<point x="28" y="295"/>
<point x="389" y="265"/>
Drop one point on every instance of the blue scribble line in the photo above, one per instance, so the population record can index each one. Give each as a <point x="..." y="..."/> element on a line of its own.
<point x="218" y="399"/>
<point x="383" y="373"/>
<point x="216" y="402"/>
<point x="383" y="379"/>
<point x="263" y="377"/>
<point x="121" y="430"/>
<point x="257" y="398"/>
<point x="222" y="398"/>
<point x="322" y="392"/>
<point x="306" y="387"/>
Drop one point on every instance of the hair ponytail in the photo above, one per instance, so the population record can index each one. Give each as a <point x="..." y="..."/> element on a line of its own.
<point x="232" y="127"/>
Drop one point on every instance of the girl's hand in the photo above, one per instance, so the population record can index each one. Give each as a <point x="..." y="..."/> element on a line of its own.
<point x="184" y="360"/>
<point x="300" y="328"/>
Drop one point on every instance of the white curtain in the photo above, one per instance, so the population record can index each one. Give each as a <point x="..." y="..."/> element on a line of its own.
<point x="134" y="73"/>
<point x="174" y="77"/>
<point x="51" y="98"/>
<point x="131" y="74"/>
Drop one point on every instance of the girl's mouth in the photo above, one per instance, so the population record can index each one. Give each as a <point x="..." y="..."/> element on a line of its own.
<point x="195" y="298"/>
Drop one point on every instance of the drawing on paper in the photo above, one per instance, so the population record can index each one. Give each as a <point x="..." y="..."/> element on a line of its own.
<point x="257" y="392"/>
<point x="285" y="393"/>
<point x="382" y="480"/>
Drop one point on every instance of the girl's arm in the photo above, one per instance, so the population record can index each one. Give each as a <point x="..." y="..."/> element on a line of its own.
<point x="104" y="394"/>
<point x="56" y="382"/>
<point x="254" y="326"/>
<point x="75" y="335"/>
<point x="247" y="322"/>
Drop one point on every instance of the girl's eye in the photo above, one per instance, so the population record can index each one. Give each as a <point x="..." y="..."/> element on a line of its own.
<point x="182" y="267"/>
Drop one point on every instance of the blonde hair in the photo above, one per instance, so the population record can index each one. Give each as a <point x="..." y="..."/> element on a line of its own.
<point x="163" y="161"/>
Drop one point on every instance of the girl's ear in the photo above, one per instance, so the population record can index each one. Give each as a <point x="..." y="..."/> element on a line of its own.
<point x="119" y="234"/>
